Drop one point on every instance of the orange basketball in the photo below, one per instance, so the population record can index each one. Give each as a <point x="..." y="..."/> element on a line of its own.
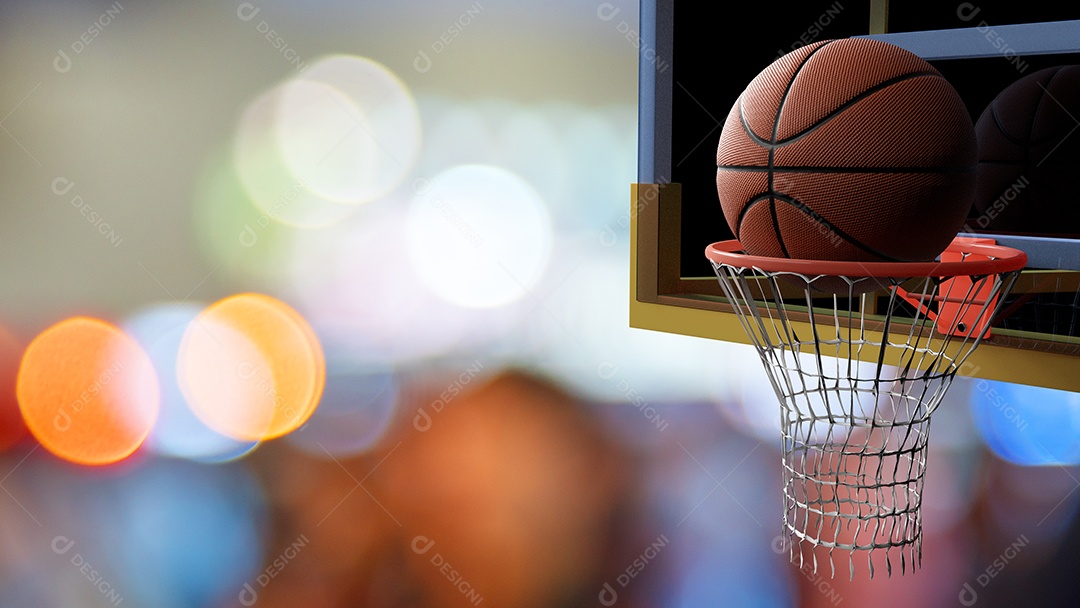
<point x="851" y="149"/>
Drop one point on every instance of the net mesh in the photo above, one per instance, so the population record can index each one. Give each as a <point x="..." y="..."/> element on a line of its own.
<point x="859" y="365"/>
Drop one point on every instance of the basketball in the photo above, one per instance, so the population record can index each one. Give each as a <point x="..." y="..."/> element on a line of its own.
<point x="850" y="149"/>
<point x="1028" y="155"/>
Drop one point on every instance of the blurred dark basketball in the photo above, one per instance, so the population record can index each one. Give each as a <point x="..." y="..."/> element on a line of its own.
<point x="850" y="149"/>
<point x="1029" y="153"/>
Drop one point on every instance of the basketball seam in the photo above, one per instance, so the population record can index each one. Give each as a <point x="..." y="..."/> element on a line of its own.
<point x="772" y="149"/>
<point x="1043" y="94"/>
<point x="742" y="116"/>
<point x="769" y="145"/>
<point x="1019" y="141"/>
<point x="861" y="96"/>
<point x="815" y="216"/>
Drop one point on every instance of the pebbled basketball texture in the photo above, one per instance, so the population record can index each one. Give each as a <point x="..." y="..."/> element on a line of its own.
<point x="1029" y="153"/>
<point x="850" y="149"/>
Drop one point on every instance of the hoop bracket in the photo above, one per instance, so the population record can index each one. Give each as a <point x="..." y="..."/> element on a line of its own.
<point x="964" y="307"/>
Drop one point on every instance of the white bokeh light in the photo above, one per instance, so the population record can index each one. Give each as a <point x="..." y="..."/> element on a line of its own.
<point x="282" y="196"/>
<point x="350" y="129"/>
<point x="479" y="236"/>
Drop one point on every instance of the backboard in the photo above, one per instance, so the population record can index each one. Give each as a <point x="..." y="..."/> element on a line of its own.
<point x="980" y="49"/>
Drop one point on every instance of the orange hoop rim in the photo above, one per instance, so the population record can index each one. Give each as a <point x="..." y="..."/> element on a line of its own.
<point x="985" y="259"/>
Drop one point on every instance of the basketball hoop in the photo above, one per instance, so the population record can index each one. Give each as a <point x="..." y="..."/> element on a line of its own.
<point x="860" y="355"/>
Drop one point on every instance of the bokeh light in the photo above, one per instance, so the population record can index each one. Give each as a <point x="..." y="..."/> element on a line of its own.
<point x="355" y="412"/>
<point x="237" y="239"/>
<point x="12" y="428"/>
<point x="88" y="392"/>
<point x="478" y="235"/>
<point x="251" y="367"/>
<point x="355" y="137"/>
<point x="166" y="533"/>
<point x="282" y="196"/>
<point x="187" y="535"/>
<point x="178" y="432"/>
<point x="1028" y="425"/>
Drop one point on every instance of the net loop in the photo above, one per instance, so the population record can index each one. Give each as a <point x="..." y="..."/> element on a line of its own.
<point x="860" y="355"/>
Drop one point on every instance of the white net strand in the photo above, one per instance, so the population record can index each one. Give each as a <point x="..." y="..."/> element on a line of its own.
<point x="854" y="434"/>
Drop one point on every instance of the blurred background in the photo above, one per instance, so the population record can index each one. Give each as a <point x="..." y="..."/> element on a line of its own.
<point x="405" y="228"/>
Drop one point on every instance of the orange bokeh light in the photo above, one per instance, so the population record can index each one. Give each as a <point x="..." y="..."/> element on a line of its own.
<point x="12" y="428"/>
<point x="251" y="367"/>
<point x="87" y="391"/>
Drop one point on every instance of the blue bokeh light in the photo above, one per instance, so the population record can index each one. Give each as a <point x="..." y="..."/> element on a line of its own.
<point x="1028" y="425"/>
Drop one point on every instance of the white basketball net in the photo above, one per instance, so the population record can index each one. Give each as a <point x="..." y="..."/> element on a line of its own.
<point x="855" y="408"/>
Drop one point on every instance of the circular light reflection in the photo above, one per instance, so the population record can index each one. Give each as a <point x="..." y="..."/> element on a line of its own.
<point x="178" y="431"/>
<point x="234" y="234"/>
<point x="283" y="196"/>
<point x="12" y="427"/>
<point x="351" y="141"/>
<point x="88" y="392"/>
<point x="188" y="535"/>
<point x="363" y="294"/>
<point x="356" y="409"/>
<point x="479" y="236"/>
<point x="251" y="367"/>
<point x="1028" y="425"/>
<point x="583" y="336"/>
